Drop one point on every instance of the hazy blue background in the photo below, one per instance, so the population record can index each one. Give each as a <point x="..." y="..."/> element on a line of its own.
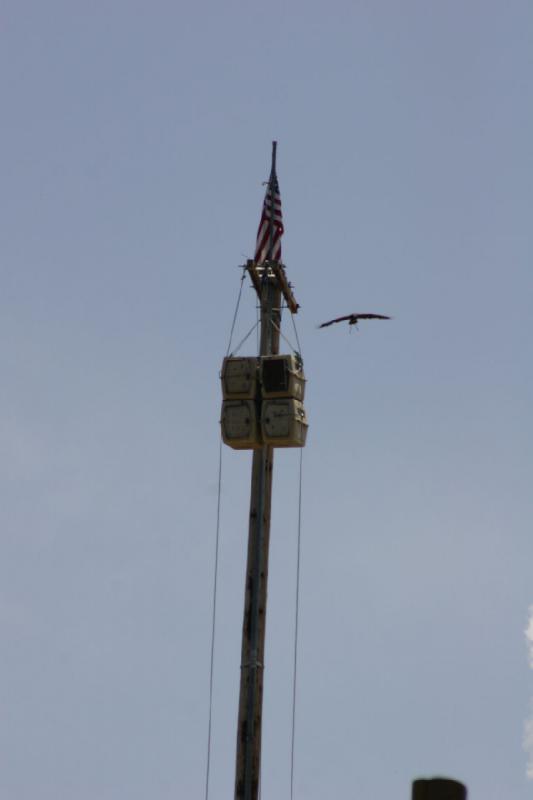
<point x="134" y="140"/>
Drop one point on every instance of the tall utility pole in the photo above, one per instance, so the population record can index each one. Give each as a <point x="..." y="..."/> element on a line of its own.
<point x="255" y="602"/>
<point x="269" y="281"/>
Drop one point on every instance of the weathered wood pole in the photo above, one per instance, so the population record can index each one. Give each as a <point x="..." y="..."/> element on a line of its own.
<point x="248" y="764"/>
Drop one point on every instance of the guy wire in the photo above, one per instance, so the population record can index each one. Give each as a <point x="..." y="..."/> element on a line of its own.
<point x="213" y="622"/>
<point x="296" y="618"/>
<point x="215" y="570"/>
<point x="236" y="310"/>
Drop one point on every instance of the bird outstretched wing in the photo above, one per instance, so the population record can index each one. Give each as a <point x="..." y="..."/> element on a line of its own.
<point x="331" y="321"/>
<point x="370" y="316"/>
<point x="353" y="319"/>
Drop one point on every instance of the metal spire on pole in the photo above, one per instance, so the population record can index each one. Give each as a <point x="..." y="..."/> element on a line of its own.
<point x="271" y="191"/>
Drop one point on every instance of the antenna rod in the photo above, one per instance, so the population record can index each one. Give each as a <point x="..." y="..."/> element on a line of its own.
<point x="271" y="184"/>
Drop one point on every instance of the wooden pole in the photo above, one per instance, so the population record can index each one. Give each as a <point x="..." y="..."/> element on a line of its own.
<point x="248" y="764"/>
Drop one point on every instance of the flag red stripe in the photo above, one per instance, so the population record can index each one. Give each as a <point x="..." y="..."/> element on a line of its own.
<point x="271" y="212"/>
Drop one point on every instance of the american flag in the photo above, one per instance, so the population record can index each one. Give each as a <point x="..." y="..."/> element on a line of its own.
<point x="262" y="247"/>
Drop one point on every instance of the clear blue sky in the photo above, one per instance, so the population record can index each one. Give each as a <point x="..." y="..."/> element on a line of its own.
<point x="135" y="137"/>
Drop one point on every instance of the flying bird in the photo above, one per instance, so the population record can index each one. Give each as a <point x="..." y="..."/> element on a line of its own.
<point x="353" y="319"/>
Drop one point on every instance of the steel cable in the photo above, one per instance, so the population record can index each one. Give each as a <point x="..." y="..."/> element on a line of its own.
<point x="296" y="620"/>
<point x="215" y="569"/>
